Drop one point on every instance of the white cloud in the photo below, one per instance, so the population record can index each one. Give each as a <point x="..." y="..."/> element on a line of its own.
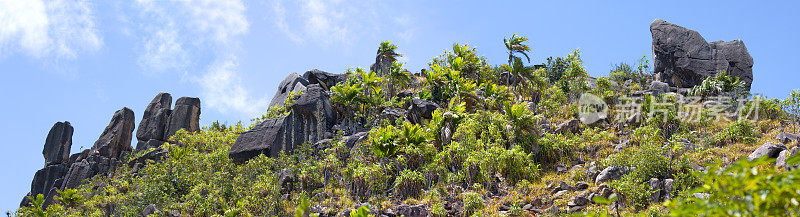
<point x="199" y="35"/>
<point x="280" y="22"/>
<point x="223" y="90"/>
<point x="164" y="52"/>
<point x="330" y="22"/>
<point x="222" y="19"/>
<point x="59" y="28"/>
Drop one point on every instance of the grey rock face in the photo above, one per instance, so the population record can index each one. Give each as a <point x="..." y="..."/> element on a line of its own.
<point x="260" y="139"/>
<point x="573" y="126"/>
<point x="655" y="190"/>
<point x="420" y="110"/>
<point x="734" y="59"/>
<point x="785" y="155"/>
<point x="611" y="173"/>
<point x="659" y="88"/>
<point x="155" y="118"/>
<point x="683" y="58"/>
<point x="353" y="140"/>
<point x="290" y="83"/>
<point x="47" y="178"/>
<point x="667" y="194"/>
<point x="286" y="179"/>
<point x="58" y="143"/>
<point x="87" y="166"/>
<point x="116" y="138"/>
<point x="786" y="138"/>
<point x="185" y="115"/>
<point x="149" y="210"/>
<point x="310" y="118"/>
<point x="324" y="79"/>
<point x="768" y="149"/>
<point x="412" y="211"/>
<point x="144" y="145"/>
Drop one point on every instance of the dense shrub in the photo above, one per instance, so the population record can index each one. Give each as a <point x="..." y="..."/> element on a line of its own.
<point x="739" y="131"/>
<point x="744" y="189"/>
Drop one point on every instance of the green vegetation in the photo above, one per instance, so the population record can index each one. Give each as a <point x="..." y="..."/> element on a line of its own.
<point x="489" y="150"/>
<point x="743" y="189"/>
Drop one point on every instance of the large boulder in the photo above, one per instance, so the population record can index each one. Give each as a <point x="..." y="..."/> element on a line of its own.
<point x="768" y="150"/>
<point x="155" y="118"/>
<point x="293" y="82"/>
<point x="787" y="138"/>
<point x="58" y="143"/>
<point x="683" y="58"/>
<point x="324" y="79"/>
<point x="611" y="173"/>
<point x="310" y="118"/>
<point x="420" y="110"/>
<point x="185" y="115"/>
<point x="260" y="139"/>
<point x="116" y="138"/>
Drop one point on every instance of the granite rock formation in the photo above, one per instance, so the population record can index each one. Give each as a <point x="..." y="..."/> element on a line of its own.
<point x="683" y="58"/>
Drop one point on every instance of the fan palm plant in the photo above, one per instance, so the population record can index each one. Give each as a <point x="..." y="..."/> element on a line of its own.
<point x="385" y="57"/>
<point x="397" y="77"/>
<point x="515" y="47"/>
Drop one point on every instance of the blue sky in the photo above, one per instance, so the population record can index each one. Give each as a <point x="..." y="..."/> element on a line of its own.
<point x="80" y="61"/>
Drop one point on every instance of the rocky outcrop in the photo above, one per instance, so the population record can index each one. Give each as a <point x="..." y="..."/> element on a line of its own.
<point x="57" y="161"/>
<point x="155" y="117"/>
<point x="787" y="138"/>
<point x="116" y="138"/>
<point x="683" y="58"/>
<point x="611" y="173"/>
<point x="185" y="115"/>
<point x="87" y="166"/>
<point x="309" y="120"/>
<point x="46" y="179"/>
<point x="768" y="150"/>
<point x="570" y="126"/>
<point x="58" y="143"/>
<point x="160" y="121"/>
<point x="69" y="172"/>
<point x="324" y="79"/>
<point x="420" y="110"/>
<point x="152" y="128"/>
<point x="293" y="82"/>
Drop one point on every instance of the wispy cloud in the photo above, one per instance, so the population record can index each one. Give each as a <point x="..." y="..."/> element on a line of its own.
<point x="199" y="35"/>
<point x="223" y="89"/>
<point x="328" y="22"/>
<point x="59" y="28"/>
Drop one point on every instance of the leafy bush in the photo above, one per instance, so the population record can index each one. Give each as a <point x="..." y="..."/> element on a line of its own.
<point x="744" y="189"/>
<point x="739" y="131"/>
<point x="650" y="161"/>
<point x="623" y="72"/>
<point x="715" y="85"/>
<point x="792" y="106"/>
<point x="408" y="184"/>
<point x="473" y="202"/>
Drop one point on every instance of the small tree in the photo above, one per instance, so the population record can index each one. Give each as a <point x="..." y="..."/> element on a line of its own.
<point x="792" y="106"/>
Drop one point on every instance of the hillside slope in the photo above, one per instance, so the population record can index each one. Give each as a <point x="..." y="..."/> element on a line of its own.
<point x="460" y="138"/>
